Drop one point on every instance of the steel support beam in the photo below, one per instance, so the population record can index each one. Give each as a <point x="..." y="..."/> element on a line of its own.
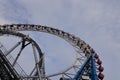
<point x="81" y="70"/>
<point x="93" y="68"/>
<point x="36" y="62"/>
<point x="16" y="45"/>
<point x="8" y="67"/>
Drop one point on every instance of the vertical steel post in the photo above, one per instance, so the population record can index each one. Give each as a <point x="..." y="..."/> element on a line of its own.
<point x="36" y="62"/>
<point x="93" y="68"/>
<point x="79" y="73"/>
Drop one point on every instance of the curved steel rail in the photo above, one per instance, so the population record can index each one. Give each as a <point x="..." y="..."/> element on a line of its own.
<point x="3" y="32"/>
<point x="28" y="39"/>
<point x="73" y="40"/>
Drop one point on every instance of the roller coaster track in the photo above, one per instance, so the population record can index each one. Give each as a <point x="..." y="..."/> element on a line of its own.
<point x="89" y="55"/>
<point x="6" y="54"/>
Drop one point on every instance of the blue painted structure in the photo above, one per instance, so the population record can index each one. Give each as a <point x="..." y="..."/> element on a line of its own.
<point x="93" y="68"/>
<point x="93" y="74"/>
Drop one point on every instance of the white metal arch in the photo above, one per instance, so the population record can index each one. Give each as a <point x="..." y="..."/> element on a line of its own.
<point x="76" y="42"/>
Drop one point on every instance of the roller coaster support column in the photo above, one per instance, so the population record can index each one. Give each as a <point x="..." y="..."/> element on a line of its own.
<point x="80" y="72"/>
<point x="91" y="61"/>
<point x="93" y="68"/>
<point x="36" y="62"/>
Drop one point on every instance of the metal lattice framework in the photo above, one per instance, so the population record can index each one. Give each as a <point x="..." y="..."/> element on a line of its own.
<point x="85" y="64"/>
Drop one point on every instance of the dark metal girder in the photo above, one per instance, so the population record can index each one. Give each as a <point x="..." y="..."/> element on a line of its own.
<point x="7" y="72"/>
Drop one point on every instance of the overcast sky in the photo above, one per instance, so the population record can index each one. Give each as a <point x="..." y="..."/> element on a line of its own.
<point x="97" y="22"/>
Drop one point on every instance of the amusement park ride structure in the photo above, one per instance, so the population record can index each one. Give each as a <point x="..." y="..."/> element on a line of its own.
<point x="87" y="65"/>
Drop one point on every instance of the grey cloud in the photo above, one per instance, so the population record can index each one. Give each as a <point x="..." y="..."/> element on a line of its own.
<point x="13" y="11"/>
